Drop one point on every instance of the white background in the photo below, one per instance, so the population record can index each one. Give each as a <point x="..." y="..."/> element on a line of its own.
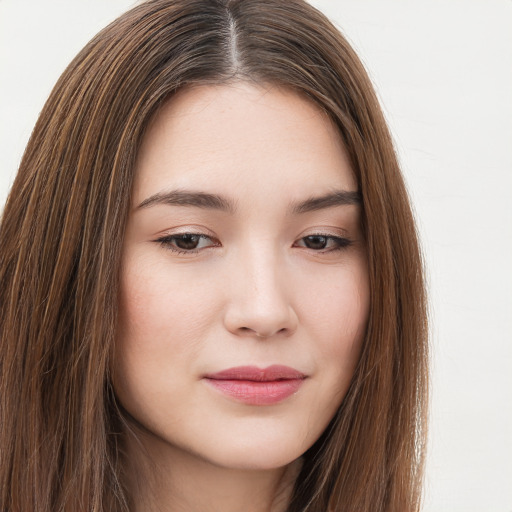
<point x="443" y="71"/>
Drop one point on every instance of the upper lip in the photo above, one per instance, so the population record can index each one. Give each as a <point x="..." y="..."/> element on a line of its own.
<point x="253" y="373"/>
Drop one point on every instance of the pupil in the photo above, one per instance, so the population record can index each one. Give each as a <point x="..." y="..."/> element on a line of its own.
<point x="187" y="241"/>
<point x="316" y="242"/>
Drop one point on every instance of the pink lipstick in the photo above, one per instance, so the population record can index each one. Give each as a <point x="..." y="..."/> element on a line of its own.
<point x="256" y="386"/>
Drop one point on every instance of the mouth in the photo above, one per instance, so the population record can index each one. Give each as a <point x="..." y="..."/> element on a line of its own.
<point x="257" y="386"/>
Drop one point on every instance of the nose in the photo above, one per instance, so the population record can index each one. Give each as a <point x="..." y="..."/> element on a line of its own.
<point x="260" y="298"/>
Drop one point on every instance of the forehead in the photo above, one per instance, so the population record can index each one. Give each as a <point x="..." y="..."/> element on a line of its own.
<point x="242" y="138"/>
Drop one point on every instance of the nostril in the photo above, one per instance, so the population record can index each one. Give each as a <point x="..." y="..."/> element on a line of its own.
<point x="255" y="332"/>
<point x="249" y="320"/>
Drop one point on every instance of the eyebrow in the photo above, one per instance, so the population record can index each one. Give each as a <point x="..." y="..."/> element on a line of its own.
<point x="190" y="198"/>
<point x="335" y="198"/>
<point x="209" y="201"/>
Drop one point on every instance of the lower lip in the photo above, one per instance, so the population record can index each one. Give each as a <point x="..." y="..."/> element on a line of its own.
<point x="256" y="392"/>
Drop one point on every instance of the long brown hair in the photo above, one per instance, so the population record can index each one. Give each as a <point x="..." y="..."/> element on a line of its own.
<point x="61" y="435"/>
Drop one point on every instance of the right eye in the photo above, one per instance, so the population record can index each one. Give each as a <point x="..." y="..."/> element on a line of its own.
<point x="187" y="243"/>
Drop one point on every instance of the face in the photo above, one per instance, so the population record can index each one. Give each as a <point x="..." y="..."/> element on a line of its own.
<point x="244" y="289"/>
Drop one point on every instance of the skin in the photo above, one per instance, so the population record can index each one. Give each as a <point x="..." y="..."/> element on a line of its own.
<point x="253" y="291"/>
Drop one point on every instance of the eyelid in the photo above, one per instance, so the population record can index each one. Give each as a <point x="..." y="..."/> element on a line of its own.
<point x="325" y="231"/>
<point x="165" y="239"/>
<point x="186" y="229"/>
<point x="339" y="241"/>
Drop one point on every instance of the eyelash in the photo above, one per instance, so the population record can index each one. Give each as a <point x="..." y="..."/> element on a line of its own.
<point x="340" y="243"/>
<point x="169" y="241"/>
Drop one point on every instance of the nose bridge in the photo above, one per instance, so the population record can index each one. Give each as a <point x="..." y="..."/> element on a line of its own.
<point x="260" y="302"/>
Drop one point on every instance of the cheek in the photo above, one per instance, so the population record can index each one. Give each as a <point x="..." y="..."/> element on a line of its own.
<point x="158" y="305"/>
<point x="162" y="322"/>
<point x="337" y="316"/>
<point x="337" y="306"/>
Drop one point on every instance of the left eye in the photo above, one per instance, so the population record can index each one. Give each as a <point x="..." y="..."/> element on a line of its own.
<point x="186" y="242"/>
<point x="323" y="242"/>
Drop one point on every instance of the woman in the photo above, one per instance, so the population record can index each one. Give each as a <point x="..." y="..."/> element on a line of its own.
<point x="212" y="295"/>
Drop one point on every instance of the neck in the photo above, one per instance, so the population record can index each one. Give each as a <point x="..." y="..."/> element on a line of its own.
<point x="165" y="478"/>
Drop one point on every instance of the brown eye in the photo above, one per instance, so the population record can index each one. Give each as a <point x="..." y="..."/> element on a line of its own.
<point x="316" y="242"/>
<point x="325" y="243"/>
<point x="187" y="242"/>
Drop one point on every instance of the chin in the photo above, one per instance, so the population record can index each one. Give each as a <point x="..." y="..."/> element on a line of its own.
<point x="249" y="455"/>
